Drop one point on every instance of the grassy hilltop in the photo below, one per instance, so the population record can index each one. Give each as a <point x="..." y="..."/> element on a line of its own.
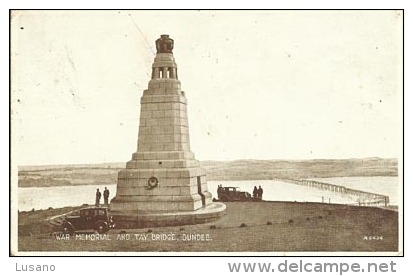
<point x="247" y="227"/>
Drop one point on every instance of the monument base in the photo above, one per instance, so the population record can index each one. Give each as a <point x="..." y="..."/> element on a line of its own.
<point x="208" y="213"/>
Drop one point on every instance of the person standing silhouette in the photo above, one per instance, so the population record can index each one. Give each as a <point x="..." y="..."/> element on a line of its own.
<point x="260" y="192"/>
<point x="98" y="196"/>
<point x="255" y="193"/>
<point x="106" y="196"/>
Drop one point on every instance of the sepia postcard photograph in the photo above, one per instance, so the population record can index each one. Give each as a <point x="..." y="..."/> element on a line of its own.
<point x="206" y="132"/>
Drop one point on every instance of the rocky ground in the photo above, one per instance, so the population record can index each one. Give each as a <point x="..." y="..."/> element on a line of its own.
<point x="247" y="227"/>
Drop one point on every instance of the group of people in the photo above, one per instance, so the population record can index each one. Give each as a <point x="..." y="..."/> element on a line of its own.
<point x="257" y="193"/>
<point x="105" y="197"/>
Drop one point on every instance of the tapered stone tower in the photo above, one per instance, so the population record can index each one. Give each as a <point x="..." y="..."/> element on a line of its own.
<point x="163" y="184"/>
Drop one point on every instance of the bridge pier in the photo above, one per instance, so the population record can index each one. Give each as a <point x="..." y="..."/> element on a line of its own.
<point x="364" y="198"/>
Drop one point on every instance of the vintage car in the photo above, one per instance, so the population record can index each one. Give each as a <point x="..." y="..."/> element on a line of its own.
<point x="233" y="194"/>
<point x="91" y="218"/>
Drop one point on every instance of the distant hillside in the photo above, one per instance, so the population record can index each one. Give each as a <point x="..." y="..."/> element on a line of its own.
<point x="63" y="175"/>
<point x="298" y="169"/>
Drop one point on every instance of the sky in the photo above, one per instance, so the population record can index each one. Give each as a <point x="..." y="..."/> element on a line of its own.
<point x="259" y="84"/>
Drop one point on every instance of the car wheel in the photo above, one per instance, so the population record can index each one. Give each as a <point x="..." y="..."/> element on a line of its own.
<point x="102" y="227"/>
<point x="67" y="229"/>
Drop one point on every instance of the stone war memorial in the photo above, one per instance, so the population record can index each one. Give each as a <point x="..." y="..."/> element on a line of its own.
<point x="163" y="184"/>
<point x="304" y="157"/>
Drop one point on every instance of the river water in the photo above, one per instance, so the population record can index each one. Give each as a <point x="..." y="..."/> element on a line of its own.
<point x="45" y="197"/>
